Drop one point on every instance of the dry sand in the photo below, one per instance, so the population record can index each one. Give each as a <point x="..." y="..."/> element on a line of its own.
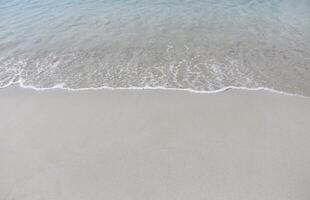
<point x="163" y="145"/>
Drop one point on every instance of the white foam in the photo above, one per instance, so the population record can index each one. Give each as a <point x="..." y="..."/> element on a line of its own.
<point x="62" y="87"/>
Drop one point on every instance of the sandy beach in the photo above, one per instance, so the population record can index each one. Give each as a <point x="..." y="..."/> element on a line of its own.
<point x="154" y="100"/>
<point x="142" y="145"/>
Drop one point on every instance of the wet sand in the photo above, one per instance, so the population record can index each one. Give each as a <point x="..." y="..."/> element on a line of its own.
<point x="126" y="144"/>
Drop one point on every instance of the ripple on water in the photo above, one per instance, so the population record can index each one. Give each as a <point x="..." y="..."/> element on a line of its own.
<point x="195" y="45"/>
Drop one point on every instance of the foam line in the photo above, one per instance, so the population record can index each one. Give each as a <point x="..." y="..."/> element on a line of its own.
<point x="62" y="87"/>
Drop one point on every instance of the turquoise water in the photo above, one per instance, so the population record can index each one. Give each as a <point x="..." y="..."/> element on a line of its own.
<point x="184" y="44"/>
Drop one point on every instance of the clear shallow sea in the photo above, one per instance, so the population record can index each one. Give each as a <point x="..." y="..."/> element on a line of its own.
<point x="201" y="45"/>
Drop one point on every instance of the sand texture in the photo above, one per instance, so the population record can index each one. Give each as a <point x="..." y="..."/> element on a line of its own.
<point x="161" y="145"/>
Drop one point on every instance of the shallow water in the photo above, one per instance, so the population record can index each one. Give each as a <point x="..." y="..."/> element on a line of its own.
<point x="201" y="45"/>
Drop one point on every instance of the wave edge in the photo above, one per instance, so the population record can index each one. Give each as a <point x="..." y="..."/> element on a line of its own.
<point x="62" y="87"/>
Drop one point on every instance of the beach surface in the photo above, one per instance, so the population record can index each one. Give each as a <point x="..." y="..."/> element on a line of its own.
<point x="153" y="144"/>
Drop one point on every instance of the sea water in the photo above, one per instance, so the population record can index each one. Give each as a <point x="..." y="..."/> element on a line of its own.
<point x="196" y="45"/>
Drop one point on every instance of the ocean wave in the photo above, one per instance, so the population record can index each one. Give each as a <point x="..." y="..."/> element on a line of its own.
<point x="197" y="46"/>
<point x="19" y="83"/>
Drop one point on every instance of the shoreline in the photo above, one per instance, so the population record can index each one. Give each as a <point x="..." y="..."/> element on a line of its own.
<point x="224" y="89"/>
<point x="153" y="144"/>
